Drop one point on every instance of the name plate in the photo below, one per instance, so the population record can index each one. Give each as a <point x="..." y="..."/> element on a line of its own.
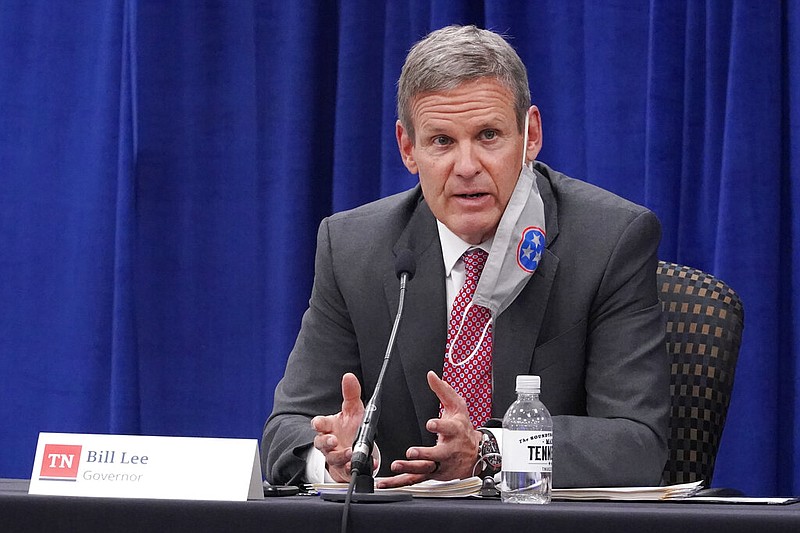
<point x="130" y="466"/>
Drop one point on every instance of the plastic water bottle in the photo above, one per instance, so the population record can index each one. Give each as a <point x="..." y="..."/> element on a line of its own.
<point x="527" y="446"/>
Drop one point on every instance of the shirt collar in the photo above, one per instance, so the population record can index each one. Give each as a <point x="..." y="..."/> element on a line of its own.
<point x="453" y="247"/>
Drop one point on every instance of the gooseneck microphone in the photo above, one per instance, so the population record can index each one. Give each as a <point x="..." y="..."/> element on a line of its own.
<point x="361" y="461"/>
<point x="362" y="487"/>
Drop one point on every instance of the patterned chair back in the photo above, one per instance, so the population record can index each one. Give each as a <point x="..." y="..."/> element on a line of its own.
<point x="705" y="319"/>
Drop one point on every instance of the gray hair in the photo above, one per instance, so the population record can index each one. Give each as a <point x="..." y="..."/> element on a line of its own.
<point x="448" y="57"/>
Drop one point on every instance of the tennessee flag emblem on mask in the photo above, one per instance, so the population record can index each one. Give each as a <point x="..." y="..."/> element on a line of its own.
<point x="530" y="248"/>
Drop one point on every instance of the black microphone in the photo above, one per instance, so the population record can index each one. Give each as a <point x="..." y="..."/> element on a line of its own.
<point x="361" y="461"/>
<point x="405" y="263"/>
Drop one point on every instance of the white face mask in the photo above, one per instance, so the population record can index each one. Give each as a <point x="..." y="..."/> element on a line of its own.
<point x="517" y="249"/>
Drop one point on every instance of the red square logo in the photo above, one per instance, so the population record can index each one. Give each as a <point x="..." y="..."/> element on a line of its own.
<point x="60" y="462"/>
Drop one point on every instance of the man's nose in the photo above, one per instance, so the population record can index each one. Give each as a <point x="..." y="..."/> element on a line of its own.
<point x="467" y="164"/>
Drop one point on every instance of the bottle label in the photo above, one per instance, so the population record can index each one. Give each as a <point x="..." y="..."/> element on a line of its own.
<point x="527" y="451"/>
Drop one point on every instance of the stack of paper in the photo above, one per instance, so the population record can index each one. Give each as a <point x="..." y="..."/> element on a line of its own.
<point x="671" y="492"/>
<point x="445" y="489"/>
<point x="459" y="488"/>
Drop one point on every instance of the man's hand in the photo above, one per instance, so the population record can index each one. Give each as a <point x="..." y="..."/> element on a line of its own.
<point x="335" y="433"/>
<point x="456" y="449"/>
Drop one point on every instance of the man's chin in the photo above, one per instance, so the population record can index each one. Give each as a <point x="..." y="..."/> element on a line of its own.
<point x="474" y="233"/>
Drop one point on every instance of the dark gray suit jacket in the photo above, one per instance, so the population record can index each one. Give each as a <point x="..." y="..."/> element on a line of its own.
<point x="588" y="322"/>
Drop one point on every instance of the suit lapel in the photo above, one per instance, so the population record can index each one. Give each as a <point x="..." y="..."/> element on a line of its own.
<point x="517" y="329"/>
<point x="422" y="334"/>
<point x="516" y="332"/>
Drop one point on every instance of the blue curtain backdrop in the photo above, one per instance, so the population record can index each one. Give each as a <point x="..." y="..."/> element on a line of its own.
<point x="164" y="166"/>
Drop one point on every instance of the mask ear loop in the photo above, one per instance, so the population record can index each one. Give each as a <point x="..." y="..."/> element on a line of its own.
<point x="469" y="305"/>
<point x="525" y="139"/>
<point x="458" y="334"/>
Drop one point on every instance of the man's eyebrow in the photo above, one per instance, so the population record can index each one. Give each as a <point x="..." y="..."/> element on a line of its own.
<point x="431" y="130"/>
<point x="493" y="122"/>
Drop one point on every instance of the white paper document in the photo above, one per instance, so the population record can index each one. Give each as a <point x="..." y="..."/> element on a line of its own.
<point x="460" y="488"/>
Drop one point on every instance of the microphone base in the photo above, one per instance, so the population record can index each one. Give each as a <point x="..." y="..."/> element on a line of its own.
<point x="364" y="492"/>
<point x="366" y="497"/>
<point x="365" y="484"/>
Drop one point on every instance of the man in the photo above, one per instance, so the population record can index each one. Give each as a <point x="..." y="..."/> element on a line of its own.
<point x="581" y="311"/>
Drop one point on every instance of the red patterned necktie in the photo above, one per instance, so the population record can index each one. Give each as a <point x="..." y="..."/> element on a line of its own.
<point x="467" y="366"/>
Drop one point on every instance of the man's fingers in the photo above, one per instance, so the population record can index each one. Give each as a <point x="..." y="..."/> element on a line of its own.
<point x="402" y="480"/>
<point x="423" y="453"/>
<point x="325" y="443"/>
<point x="351" y="393"/>
<point x="445" y="427"/>
<point x="451" y="401"/>
<point x="322" y="424"/>
<point x="328" y="445"/>
<point x="340" y="473"/>
<point x="415" y="467"/>
<point x="339" y="458"/>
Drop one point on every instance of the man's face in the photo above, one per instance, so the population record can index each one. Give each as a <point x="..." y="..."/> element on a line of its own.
<point x="467" y="151"/>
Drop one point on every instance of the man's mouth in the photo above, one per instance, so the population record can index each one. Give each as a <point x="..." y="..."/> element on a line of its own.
<point x="473" y="195"/>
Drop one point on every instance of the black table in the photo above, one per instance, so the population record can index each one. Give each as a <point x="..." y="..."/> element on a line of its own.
<point x="20" y="512"/>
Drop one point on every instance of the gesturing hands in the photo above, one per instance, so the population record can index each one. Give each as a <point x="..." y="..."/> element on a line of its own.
<point x="453" y="456"/>
<point x="455" y="452"/>
<point x="335" y="433"/>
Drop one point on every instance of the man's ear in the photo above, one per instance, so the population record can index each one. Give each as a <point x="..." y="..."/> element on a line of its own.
<point x="534" y="134"/>
<point x="406" y="147"/>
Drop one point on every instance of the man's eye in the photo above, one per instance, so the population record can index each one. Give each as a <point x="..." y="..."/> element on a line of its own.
<point x="489" y="134"/>
<point x="441" y="140"/>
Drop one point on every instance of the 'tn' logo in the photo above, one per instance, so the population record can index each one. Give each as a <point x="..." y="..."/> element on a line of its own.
<point x="60" y="462"/>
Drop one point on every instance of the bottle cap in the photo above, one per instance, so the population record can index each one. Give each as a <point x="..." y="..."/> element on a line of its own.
<point x="529" y="384"/>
